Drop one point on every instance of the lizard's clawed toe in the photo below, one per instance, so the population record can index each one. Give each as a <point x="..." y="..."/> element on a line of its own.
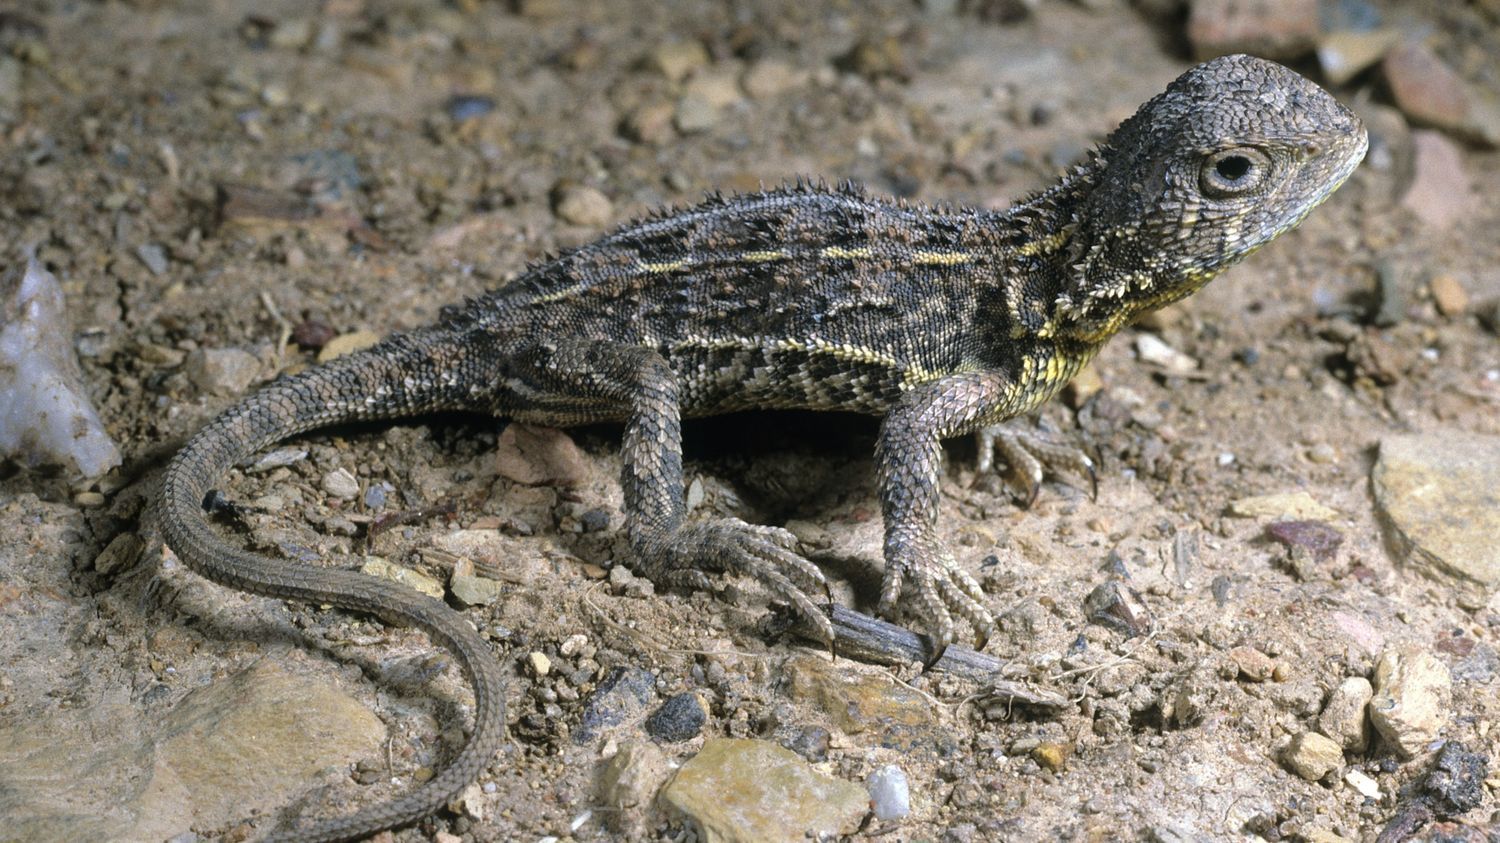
<point x="1031" y="455"/>
<point x="938" y="590"/>
<point x="765" y="553"/>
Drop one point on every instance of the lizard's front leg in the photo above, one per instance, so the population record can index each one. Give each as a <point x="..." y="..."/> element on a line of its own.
<point x="908" y="458"/>
<point x="572" y="381"/>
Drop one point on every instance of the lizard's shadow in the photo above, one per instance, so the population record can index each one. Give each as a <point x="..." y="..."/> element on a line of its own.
<point x="785" y="465"/>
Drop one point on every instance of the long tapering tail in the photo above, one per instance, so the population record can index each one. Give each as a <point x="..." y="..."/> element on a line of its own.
<point x="406" y="375"/>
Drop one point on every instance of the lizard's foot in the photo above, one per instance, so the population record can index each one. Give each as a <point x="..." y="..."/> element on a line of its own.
<point x="939" y="589"/>
<point x="728" y="544"/>
<point x="1031" y="454"/>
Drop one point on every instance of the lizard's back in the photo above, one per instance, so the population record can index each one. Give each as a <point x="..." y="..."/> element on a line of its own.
<point x="799" y="297"/>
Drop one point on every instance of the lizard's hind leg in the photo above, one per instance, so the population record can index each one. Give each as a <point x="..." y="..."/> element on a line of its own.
<point x="572" y="381"/>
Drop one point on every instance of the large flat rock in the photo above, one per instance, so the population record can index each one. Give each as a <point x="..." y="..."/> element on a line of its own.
<point x="1440" y="496"/>
<point x="246" y="743"/>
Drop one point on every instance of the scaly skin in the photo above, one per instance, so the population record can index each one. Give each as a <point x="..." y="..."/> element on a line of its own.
<point x="942" y="321"/>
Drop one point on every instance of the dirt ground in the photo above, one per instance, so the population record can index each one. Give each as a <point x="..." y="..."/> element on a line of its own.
<point x="248" y="176"/>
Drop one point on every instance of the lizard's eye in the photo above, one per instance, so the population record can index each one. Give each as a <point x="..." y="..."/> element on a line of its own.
<point x="1233" y="171"/>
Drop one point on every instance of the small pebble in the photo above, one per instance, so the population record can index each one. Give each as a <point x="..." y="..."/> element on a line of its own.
<point x="811" y="742"/>
<point x="1412" y="695"/>
<point x="539" y="663"/>
<point x="677" y="59"/>
<point x="347" y="344"/>
<point x="378" y="567"/>
<point x="582" y="205"/>
<point x="154" y="257"/>
<point x="1455" y="784"/>
<point x="1275" y="29"/>
<point x="222" y="371"/>
<point x="375" y="496"/>
<point x="1344" y="717"/>
<point x="311" y="334"/>
<point x="573" y="645"/>
<point x="472" y="590"/>
<point x="1118" y="606"/>
<point x="1441" y="193"/>
<point x="1151" y="349"/>
<point x="767" y="78"/>
<point x="464" y="107"/>
<point x="650" y="124"/>
<point x="595" y="520"/>
<point x="1313" y="756"/>
<point x="1425" y="88"/>
<point x="1448" y="294"/>
<point x="694" y="114"/>
<point x="1252" y="663"/>
<point x="339" y="483"/>
<point x="1367" y="787"/>
<point x="278" y="458"/>
<point x="1317" y="538"/>
<point x="1051" y="755"/>
<point x="890" y="793"/>
<point x="1323" y="453"/>
<point x="1344" y="54"/>
<point x="680" y="718"/>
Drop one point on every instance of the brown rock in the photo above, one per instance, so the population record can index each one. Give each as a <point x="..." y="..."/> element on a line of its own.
<point x="1440" y="494"/>
<point x="1448" y="294"/>
<point x="894" y="715"/>
<point x="1344" y="717"/>
<point x="1084" y="385"/>
<point x="582" y="205"/>
<point x="376" y="567"/>
<point x="540" y="456"/>
<point x="1425" y="88"/>
<point x="347" y="344"/>
<point x="677" y="59"/>
<point x="1051" y="755"/>
<point x="1313" y="756"/>
<point x="1343" y="55"/>
<point x="649" y="123"/>
<point x="222" y="371"/>
<point x="768" y="77"/>
<point x="628" y="783"/>
<point x="1440" y="193"/>
<point x="1299" y="505"/>
<point x="739" y="791"/>
<point x="235" y="745"/>
<point x="1413" y="690"/>
<point x="1253" y="664"/>
<point x="1277" y="29"/>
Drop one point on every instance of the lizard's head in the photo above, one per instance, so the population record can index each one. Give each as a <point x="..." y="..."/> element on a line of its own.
<point x="1233" y="153"/>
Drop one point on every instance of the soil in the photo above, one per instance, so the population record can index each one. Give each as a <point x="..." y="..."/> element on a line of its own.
<point x="359" y="165"/>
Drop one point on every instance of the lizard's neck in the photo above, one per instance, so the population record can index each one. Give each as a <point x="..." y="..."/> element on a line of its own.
<point x="1084" y="274"/>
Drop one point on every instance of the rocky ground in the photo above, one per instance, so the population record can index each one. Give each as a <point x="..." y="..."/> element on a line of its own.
<point x="1277" y="620"/>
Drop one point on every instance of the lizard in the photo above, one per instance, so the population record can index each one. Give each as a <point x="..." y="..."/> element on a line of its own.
<point x="941" y="320"/>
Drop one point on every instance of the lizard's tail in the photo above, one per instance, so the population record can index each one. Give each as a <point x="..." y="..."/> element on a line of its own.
<point x="406" y="375"/>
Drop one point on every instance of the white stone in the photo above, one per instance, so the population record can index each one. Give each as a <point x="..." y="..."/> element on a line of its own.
<point x="890" y="794"/>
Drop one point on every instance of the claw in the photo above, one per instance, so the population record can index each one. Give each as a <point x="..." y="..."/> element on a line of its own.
<point x="764" y="553"/>
<point x="1031" y="454"/>
<point x="981" y="640"/>
<point x="938" y="650"/>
